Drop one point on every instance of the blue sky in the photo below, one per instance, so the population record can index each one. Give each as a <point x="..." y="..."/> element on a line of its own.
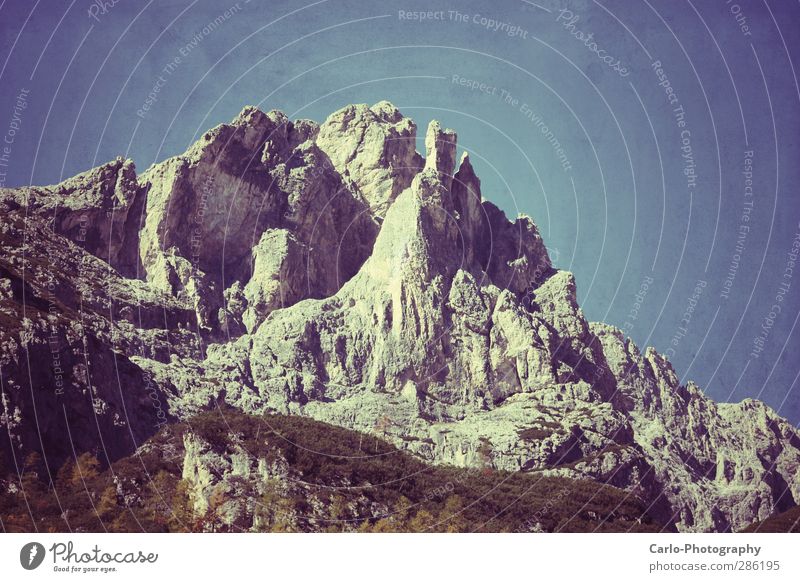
<point x="658" y="108"/>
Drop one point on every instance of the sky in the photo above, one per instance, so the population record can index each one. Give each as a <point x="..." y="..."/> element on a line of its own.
<point x="654" y="142"/>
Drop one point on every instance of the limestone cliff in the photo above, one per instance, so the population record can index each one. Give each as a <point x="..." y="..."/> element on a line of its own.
<point x="332" y="272"/>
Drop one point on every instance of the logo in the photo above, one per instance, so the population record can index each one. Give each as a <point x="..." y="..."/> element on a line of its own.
<point x="31" y="555"/>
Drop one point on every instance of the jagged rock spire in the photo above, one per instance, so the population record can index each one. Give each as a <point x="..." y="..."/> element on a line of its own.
<point x="440" y="152"/>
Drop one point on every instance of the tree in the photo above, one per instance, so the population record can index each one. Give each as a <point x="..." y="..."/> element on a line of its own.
<point x="63" y="482"/>
<point x="451" y="518"/>
<point x="159" y="505"/>
<point x="422" y="522"/>
<point x="86" y="467"/>
<point x="33" y="490"/>
<point x="182" y="517"/>
<point x="213" y="516"/>
<point x="30" y="482"/>
<point x="107" y="506"/>
<point x="396" y="520"/>
<point x="275" y="512"/>
<point x="31" y="467"/>
<point x="337" y="513"/>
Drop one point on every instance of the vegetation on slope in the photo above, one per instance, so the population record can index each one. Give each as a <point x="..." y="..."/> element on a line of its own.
<point x="786" y="522"/>
<point x="337" y="480"/>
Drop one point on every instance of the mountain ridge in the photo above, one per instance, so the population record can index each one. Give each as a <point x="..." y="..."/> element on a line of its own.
<point x="333" y="272"/>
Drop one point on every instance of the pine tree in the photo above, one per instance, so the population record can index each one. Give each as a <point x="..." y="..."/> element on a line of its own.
<point x="182" y="517"/>
<point x="107" y="506"/>
<point x="86" y="467"/>
<point x="451" y="518"/>
<point x="397" y="519"/>
<point x="275" y="512"/>
<point x="422" y="522"/>
<point x="213" y="516"/>
<point x="337" y="513"/>
<point x="158" y="506"/>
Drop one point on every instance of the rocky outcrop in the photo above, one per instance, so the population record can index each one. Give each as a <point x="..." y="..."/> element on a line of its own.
<point x="70" y="326"/>
<point x="99" y="210"/>
<point x="374" y="150"/>
<point x="230" y="195"/>
<point x="329" y="271"/>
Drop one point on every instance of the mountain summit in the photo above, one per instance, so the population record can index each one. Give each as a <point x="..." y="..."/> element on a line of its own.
<point x="331" y="271"/>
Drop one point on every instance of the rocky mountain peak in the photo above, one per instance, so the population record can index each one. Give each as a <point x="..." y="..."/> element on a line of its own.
<point x="374" y="149"/>
<point x="331" y="271"/>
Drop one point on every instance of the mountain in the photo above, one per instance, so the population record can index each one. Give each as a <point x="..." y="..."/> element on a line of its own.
<point x="330" y="271"/>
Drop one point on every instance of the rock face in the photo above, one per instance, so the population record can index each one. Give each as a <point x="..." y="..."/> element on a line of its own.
<point x="374" y="150"/>
<point x="211" y="211"/>
<point x="98" y="209"/>
<point x="70" y="328"/>
<point x="329" y="271"/>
